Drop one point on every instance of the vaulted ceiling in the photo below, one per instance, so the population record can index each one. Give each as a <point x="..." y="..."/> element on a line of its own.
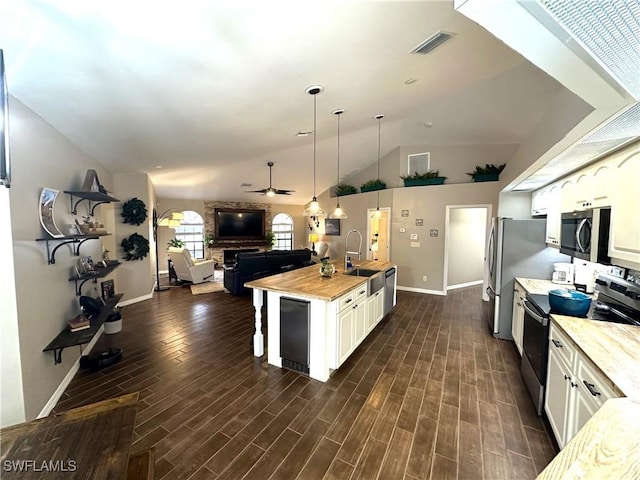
<point x="201" y="95"/>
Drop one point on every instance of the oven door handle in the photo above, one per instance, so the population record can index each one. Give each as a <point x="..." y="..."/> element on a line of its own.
<point x="541" y="320"/>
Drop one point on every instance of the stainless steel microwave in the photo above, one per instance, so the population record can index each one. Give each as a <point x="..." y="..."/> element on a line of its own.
<point x="585" y="234"/>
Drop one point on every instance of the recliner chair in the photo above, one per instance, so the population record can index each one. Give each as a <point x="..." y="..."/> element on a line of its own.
<point x="189" y="271"/>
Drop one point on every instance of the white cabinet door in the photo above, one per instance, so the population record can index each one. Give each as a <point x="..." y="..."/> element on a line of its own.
<point x="624" y="240"/>
<point x="345" y="334"/>
<point x="539" y="202"/>
<point x="583" y="193"/>
<point x="360" y="321"/>
<point x="567" y="196"/>
<point x="558" y="395"/>
<point x="553" y="215"/>
<point x="379" y="305"/>
<point x="517" y="320"/>
<point x="603" y="186"/>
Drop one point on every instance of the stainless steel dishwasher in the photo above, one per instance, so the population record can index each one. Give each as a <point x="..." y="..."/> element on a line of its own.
<point x="389" y="289"/>
<point x="294" y="334"/>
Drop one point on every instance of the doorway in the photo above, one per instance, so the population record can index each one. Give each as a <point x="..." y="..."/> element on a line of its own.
<point x="465" y="240"/>
<point x="378" y="234"/>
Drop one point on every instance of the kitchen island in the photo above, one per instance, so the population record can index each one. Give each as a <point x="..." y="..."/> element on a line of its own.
<point x="342" y="311"/>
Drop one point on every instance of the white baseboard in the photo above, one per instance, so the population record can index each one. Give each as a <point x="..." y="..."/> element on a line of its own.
<point x="463" y="285"/>
<point x="136" y="300"/>
<point x="421" y="290"/>
<point x="49" y="406"/>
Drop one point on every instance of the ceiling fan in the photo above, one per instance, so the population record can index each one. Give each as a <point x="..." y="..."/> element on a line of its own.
<point x="270" y="192"/>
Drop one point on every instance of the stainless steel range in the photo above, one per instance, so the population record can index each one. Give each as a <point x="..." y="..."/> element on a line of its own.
<point x="617" y="301"/>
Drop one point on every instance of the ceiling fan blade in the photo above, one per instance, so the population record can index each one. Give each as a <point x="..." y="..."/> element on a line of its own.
<point x="263" y="191"/>
<point x="283" y="192"/>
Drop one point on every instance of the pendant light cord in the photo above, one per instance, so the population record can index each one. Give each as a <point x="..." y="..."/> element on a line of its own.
<point x="314" y="146"/>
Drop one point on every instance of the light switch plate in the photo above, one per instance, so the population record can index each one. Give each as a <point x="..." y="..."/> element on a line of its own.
<point x="414" y="244"/>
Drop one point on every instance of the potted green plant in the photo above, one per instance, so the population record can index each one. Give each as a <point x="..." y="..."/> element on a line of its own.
<point x="373" y="185"/>
<point x="269" y="240"/>
<point x="174" y="242"/>
<point x="209" y="240"/>
<point x="345" y="189"/>
<point x="430" y="177"/>
<point x="488" y="173"/>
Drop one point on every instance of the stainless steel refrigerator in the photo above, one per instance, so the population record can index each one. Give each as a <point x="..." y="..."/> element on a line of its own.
<point x="516" y="248"/>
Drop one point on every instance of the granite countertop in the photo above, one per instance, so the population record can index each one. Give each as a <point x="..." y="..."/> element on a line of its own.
<point x="307" y="282"/>
<point x="612" y="347"/>
<point x="540" y="286"/>
<point x="598" y="449"/>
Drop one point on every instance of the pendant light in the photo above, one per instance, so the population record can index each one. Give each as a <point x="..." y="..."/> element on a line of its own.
<point x="314" y="209"/>
<point x="338" y="212"/>
<point x="378" y="213"/>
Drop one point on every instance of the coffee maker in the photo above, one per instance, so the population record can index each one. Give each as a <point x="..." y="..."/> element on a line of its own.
<point x="585" y="276"/>
<point x="563" y="273"/>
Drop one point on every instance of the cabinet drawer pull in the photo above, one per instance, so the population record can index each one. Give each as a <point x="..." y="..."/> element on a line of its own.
<point x="348" y="301"/>
<point x="557" y="343"/>
<point x="567" y="377"/>
<point x="574" y="385"/>
<point x="361" y="292"/>
<point x="591" y="388"/>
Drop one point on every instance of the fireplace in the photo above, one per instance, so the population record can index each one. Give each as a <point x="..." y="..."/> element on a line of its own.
<point x="229" y="255"/>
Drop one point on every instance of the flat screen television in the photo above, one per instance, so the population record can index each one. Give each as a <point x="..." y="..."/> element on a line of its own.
<point x="239" y="224"/>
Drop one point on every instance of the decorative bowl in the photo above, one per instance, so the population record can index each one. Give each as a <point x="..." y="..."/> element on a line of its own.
<point x="569" y="302"/>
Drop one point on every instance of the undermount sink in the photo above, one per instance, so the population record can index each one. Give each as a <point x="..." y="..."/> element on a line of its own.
<point x="362" y="272"/>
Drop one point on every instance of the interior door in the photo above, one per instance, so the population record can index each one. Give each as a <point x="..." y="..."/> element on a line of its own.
<point x="378" y="234"/>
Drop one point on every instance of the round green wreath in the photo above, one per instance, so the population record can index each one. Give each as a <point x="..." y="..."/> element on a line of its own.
<point x="134" y="211"/>
<point x="136" y="247"/>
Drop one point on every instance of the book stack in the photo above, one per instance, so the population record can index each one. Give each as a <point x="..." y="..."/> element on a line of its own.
<point x="78" y="323"/>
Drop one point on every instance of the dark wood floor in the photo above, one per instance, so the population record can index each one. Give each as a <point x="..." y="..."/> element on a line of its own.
<point x="429" y="394"/>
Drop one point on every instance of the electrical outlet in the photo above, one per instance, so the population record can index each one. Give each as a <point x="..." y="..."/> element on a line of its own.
<point x="424" y="278"/>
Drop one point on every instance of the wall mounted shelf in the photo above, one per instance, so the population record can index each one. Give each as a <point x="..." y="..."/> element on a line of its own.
<point x="74" y="240"/>
<point x="67" y="338"/>
<point x="96" y="198"/>
<point x="99" y="272"/>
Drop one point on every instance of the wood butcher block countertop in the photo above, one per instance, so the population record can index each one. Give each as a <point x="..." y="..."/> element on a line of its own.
<point x="607" y="447"/>
<point x="90" y="442"/>
<point x="307" y="282"/>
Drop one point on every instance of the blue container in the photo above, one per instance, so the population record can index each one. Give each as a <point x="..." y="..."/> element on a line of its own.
<point x="569" y="302"/>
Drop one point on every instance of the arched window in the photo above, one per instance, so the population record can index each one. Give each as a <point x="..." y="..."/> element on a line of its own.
<point x="191" y="232"/>
<point x="282" y="227"/>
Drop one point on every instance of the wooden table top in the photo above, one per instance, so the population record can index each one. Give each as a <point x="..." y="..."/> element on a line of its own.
<point x="90" y="442"/>
<point x="307" y="282"/>
<point x="608" y="446"/>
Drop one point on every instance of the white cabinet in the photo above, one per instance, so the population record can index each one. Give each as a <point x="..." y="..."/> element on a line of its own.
<point x="575" y="388"/>
<point x="517" y="320"/>
<point x="583" y="191"/>
<point x="624" y="240"/>
<point x="553" y="215"/>
<point x="351" y="326"/>
<point x="360" y="315"/>
<point x="539" y="202"/>
<point x="345" y="335"/>
<point x="603" y="186"/>
<point x="567" y="195"/>
<point x="375" y="309"/>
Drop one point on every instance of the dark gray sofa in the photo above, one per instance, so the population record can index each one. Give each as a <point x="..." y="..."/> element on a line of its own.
<point x="253" y="265"/>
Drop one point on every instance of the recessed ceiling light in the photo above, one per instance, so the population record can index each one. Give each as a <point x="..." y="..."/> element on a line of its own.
<point x="304" y="133"/>
<point x="158" y="166"/>
<point x="409" y="81"/>
<point x="427" y="124"/>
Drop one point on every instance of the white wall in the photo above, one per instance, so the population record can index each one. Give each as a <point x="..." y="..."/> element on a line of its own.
<point x="42" y="157"/>
<point x="466" y="248"/>
<point x="11" y="395"/>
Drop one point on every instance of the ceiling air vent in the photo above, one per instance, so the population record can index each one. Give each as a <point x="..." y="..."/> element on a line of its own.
<point x="432" y="42"/>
